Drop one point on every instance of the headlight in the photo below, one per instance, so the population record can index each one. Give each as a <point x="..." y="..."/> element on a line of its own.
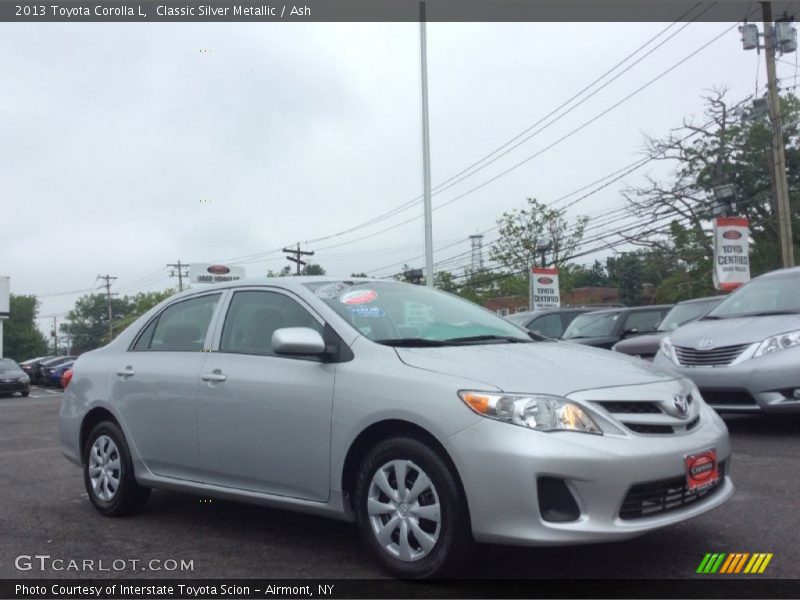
<point x="778" y="342"/>
<point x="668" y="350"/>
<point x="536" y="411"/>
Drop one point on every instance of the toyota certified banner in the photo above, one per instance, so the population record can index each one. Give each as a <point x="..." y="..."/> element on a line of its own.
<point x="213" y="273"/>
<point x="731" y="252"/>
<point x="544" y="291"/>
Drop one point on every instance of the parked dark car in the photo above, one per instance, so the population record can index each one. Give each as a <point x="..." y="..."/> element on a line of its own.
<point x="45" y="368"/>
<point x="31" y="366"/>
<point x="646" y="346"/>
<point x="13" y="379"/>
<point x="604" y="328"/>
<point x="551" y="322"/>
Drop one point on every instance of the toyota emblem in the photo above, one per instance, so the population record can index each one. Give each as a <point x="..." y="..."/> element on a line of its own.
<point x="705" y="344"/>
<point x="681" y="404"/>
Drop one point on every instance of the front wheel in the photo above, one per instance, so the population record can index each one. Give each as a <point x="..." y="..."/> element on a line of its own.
<point x="108" y="473"/>
<point x="411" y="510"/>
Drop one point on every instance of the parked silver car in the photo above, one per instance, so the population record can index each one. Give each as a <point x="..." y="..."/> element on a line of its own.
<point x="745" y="353"/>
<point x="427" y="420"/>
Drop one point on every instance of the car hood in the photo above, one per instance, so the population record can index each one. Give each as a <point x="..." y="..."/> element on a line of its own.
<point x="545" y="367"/>
<point x="12" y="373"/>
<point x="606" y="340"/>
<point x="732" y="332"/>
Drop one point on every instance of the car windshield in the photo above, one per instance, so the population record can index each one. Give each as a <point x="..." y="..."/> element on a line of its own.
<point x="404" y="314"/>
<point x="763" y="296"/>
<point x="591" y="325"/>
<point x="6" y="364"/>
<point x="683" y="313"/>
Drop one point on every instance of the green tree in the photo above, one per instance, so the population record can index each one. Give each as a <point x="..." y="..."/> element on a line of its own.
<point x="444" y="280"/>
<point x="313" y="269"/>
<point x="284" y="272"/>
<point x="87" y="322"/>
<point x="727" y="150"/>
<point x="522" y="230"/>
<point x="138" y="305"/>
<point x="21" y="338"/>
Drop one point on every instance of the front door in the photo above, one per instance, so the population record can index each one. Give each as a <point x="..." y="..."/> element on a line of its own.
<point x="265" y="420"/>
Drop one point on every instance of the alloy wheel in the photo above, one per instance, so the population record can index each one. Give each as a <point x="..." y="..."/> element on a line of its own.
<point x="105" y="468"/>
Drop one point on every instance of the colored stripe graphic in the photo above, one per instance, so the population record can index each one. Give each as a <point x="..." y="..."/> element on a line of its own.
<point x="765" y="563"/>
<point x="741" y="562"/>
<point x="732" y="559"/>
<point x="703" y="563"/>
<point x="716" y="565"/>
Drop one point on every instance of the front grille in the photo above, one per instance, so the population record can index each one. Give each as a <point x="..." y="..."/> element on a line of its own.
<point x="631" y="408"/>
<point x="728" y="397"/>
<point x="689" y="357"/>
<point x="656" y="497"/>
<point x="654" y="429"/>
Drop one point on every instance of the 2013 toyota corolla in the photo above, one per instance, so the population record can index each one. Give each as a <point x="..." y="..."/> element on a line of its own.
<point x="429" y="421"/>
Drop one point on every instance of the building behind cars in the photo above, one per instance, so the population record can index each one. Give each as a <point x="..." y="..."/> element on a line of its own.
<point x="645" y="346"/>
<point x="744" y="355"/>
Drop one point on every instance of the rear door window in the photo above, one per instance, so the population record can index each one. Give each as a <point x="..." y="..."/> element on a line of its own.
<point x="181" y="327"/>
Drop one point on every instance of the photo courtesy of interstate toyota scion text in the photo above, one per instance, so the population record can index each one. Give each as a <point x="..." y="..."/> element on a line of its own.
<point x="428" y="421"/>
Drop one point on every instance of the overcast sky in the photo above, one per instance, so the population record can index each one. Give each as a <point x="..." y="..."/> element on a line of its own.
<point x="127" y="146"/>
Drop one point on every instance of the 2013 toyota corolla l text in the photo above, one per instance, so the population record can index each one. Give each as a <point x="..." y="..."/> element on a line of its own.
<point x="429" y="421"/>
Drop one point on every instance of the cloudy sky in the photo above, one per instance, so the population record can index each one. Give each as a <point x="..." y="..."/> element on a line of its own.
<point x="124" y="147"/>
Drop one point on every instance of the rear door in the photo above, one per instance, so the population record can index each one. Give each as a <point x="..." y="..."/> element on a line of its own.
<point x="155" y="386"/>
<point x="643" y="320"/>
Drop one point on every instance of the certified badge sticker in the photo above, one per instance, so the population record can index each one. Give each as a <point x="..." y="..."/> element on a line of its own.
<point x="358" y="297"/>
<point x="701" y="470"/>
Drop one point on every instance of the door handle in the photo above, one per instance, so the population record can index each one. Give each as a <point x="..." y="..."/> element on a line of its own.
<point x="126" y="372"/>
<point x="215" y="377"/>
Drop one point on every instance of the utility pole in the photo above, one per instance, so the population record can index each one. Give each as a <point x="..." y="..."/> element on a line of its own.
<point x="296" y="259"/>
<point x="426" y="150"/>
<point x="779" y="163"/>
<point x="55" y="337"/>
<point x="178" y="266"/>
<point x="108" y="280"/>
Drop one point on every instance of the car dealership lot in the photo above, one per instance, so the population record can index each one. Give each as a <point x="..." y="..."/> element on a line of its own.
<point x="44" y="511"/>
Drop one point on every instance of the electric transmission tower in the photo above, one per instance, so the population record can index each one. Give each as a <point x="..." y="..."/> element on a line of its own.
<point x="476" y="263"/>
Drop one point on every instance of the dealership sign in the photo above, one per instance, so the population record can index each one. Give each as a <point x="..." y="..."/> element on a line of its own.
<point x="731" y="252"/>
<point x="544" y="291"/>
<point x="214" y="273"/>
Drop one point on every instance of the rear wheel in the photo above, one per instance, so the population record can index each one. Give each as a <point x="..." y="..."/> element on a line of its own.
<point x="25" y="393"/>
<point x="411" y="511"/>
<point x="108" y="472"/>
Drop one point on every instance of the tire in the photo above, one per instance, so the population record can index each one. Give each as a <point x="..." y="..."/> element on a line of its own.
<point x="25" y="394"/>
<point x="113" y="492"/>
<point x="448" y="543"/>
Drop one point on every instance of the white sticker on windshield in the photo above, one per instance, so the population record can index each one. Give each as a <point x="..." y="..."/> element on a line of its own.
<point x="332" y="290"/>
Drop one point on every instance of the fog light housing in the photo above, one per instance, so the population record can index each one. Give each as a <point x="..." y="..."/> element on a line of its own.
<point x="556" y="502"/>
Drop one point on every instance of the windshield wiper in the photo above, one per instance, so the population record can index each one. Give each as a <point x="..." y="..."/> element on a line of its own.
<point x="486" y="338"/>
<point x="412" y="342"/>
<point x="711" y="318"/>
<point x="768" y="313"/>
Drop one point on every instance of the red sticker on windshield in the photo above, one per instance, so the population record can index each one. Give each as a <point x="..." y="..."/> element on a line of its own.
<point x="358" y="297"/>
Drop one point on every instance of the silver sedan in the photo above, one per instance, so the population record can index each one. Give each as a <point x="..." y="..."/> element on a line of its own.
<point x="425" y="419"/>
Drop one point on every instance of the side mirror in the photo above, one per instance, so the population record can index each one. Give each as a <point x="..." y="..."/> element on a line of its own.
<point x="297" y="341"/>
<point x="631" y="331"/>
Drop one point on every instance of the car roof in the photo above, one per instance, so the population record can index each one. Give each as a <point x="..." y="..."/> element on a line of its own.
<point x="704" y="299"/>
<point x="778" y="273"/>
<point x="630" y="308"/>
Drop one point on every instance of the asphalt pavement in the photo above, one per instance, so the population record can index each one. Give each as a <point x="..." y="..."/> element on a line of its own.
<point x="44" y="511"/>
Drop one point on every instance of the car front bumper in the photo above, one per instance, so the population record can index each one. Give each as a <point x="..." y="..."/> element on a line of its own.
<point x="764" y="384"/>
<point x="9" y="387"/>
<point x="500" y="464"/>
